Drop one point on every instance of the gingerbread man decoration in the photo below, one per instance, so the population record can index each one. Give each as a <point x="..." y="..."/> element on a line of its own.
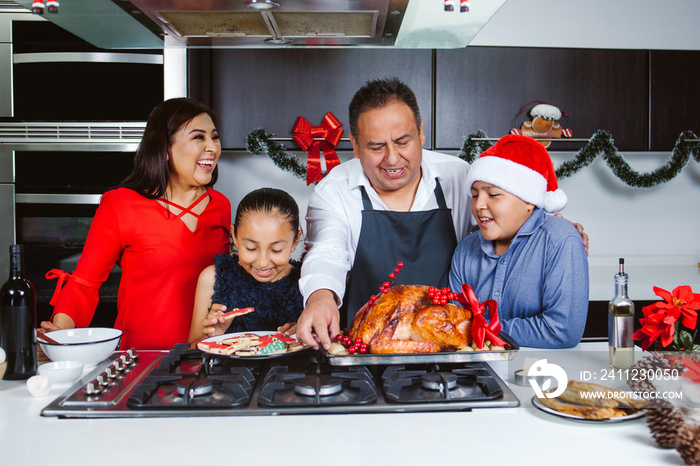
<point x="544" y="124"/>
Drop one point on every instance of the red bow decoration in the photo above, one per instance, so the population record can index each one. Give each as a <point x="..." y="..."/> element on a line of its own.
<point x="63" y="277"/>
<point x="305" y="135"/>
<point x="480" y="328"/>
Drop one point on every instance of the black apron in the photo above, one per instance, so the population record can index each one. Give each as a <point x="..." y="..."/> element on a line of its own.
<point x="424" y="241"/>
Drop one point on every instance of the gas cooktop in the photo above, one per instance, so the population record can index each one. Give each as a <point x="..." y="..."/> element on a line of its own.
<point x="187" y="382"/>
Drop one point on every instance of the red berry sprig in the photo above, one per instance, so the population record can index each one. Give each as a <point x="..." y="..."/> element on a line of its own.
<point x="441" y="296"/>
<point x="386" y="285"/>
<point x="357" y="346"/>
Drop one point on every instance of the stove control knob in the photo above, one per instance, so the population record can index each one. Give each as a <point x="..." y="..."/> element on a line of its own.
<point x="130" y="356"/>
<point x="110" y="372"/>
<point x="119" y="365"/>
<point x="93" y="388"/>
<point x="100" y="380"/>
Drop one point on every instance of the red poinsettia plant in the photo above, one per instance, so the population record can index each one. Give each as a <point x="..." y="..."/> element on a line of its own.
<point x="671" y="324"/>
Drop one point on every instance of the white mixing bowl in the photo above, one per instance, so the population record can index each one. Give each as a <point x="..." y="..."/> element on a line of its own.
<point x="90" y="345"/>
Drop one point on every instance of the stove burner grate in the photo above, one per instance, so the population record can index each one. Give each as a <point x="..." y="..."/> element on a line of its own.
<point x="191" y="387"/>
<point x="342" y="387"/>
<point x="404" y="384"/>
<point x="193" y="392"/>
<point x="323" y="385"/>
<point x="438" y="381"/>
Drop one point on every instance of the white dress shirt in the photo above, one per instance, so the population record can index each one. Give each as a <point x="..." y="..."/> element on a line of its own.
<point x="334" y="216"/>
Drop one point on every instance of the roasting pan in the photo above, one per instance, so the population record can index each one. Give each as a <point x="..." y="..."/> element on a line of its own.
<point x="430" y="358"/>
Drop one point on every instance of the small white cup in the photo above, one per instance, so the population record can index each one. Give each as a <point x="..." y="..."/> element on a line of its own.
<point x="62" y="372"/>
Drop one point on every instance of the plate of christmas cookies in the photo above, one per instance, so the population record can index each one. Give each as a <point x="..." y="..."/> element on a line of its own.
<point x="252" y="345"/>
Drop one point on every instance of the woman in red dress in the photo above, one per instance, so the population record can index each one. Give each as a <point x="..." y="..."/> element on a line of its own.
<point x="163" y="225"/>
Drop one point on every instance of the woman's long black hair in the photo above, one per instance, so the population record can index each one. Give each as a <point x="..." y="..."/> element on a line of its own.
<point x="151" y="171"/>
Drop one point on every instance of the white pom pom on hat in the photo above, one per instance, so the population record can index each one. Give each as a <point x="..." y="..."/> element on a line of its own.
<point x="521" y="166"/>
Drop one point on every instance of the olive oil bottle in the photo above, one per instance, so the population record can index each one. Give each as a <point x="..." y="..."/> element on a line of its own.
<point x="621" y="322"/>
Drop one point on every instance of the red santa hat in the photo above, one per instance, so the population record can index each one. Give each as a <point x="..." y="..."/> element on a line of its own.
<point x="521" y="166"/>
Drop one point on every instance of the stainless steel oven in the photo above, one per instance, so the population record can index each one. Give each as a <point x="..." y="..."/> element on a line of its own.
<point x="52" y="176"/>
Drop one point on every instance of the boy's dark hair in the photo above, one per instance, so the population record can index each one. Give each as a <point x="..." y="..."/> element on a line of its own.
<point x="269" y="200"/>
<point x="151" y="171"/>
<point x="379" y="93"/>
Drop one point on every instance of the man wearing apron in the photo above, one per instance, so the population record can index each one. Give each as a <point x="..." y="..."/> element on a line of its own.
<point x="394" y="203"/>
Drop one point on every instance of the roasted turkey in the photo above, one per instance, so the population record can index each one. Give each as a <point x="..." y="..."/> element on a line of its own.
<point x="405" y="320"/>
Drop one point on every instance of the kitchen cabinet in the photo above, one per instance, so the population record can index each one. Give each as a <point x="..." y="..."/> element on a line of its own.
<point x="643" y="98"/>
<point x="270" y="88"/>
<point x="485" y="87"/>
<point x="675" y="96"/>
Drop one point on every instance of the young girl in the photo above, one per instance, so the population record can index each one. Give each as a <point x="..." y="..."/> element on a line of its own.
<point x="262" y="276"/>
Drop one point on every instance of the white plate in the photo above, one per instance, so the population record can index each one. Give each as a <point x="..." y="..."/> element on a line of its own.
<point x="258" y="333"/>
<point x="539" y="405"/>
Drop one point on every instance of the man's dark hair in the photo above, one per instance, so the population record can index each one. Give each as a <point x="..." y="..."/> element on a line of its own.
<point x="379" y="93"/>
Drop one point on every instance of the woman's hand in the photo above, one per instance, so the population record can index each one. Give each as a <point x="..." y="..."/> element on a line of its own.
<point x="215" y="323"/>
<point x="44" y="328"/>
<point x="290" y="328"/>
<point x="48" y="326"/>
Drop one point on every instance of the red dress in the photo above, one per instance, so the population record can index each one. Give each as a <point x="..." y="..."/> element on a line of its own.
<point x="160" y="258"/>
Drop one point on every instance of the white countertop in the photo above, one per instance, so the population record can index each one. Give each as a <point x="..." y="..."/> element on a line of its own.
<point x="506" y="436"/>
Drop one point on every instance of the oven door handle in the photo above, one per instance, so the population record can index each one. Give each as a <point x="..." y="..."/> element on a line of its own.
<point x="35" y="198"/>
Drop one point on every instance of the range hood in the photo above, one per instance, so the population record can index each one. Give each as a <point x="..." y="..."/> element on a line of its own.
<point x="114" y="24"/>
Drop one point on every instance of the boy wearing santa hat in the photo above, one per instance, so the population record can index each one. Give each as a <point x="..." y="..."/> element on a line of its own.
<point x="532" y="264"/>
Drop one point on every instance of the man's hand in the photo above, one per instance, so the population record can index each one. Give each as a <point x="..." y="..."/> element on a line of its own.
<point x="579" y="227"/>
<point x="320" y="320"/>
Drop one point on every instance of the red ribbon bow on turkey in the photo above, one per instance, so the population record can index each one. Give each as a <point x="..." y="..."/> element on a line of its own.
<point x="305" y="135"/>
<point x="481" y="329"/>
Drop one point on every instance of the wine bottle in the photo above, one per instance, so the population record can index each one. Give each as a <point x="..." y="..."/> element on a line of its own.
<point x="18" y="319"/>
<point x="621" y="322"/>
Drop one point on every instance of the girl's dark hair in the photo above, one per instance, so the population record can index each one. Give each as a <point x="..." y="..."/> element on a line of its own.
<point x="151" y="171"/>
<point x="379" y="93"/>
<point x="268" y="200"/>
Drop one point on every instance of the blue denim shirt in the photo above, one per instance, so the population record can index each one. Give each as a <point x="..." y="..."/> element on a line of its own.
<point x="540" y="283"/>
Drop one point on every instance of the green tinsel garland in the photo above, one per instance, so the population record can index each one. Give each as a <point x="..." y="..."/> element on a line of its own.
<point x="601" y="143"/>
<point x="260" y="142"/>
